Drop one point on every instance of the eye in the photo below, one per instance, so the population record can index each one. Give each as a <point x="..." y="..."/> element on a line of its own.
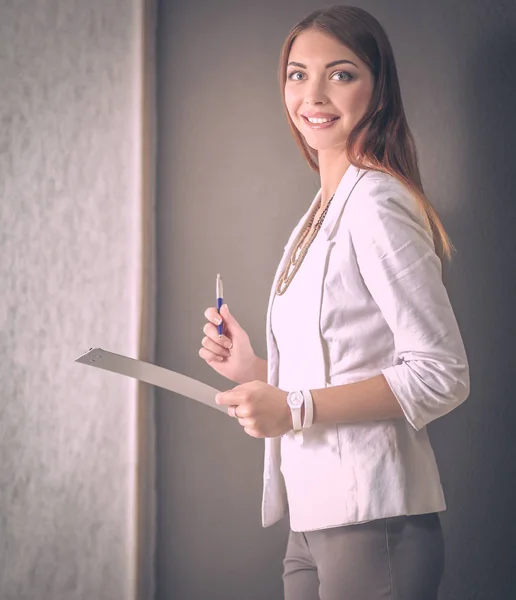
<point x="295" y="76"/>
<point x="342" y="76"/>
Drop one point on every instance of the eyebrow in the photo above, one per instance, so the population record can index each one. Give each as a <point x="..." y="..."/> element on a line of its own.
<point x="328" y="66"/>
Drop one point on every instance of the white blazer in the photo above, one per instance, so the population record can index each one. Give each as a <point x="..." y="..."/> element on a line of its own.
<point x="377" y="305"/>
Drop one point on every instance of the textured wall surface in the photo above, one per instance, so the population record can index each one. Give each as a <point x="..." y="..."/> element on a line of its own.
<point x="232" y="184"/>
<point x="69" y="252"/>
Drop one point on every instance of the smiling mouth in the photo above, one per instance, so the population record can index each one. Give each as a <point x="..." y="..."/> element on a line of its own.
<point x="319" y="123"/>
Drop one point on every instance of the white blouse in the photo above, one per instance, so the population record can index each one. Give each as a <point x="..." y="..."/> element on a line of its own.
<point x="300" y="465"/>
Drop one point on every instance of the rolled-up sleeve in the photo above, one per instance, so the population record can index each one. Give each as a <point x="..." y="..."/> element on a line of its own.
<point x="397" y="261"/>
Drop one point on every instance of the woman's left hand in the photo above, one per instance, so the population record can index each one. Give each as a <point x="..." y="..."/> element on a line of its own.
<point x="260" y="408"/>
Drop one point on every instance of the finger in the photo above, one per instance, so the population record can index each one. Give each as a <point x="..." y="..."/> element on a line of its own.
<point x="227" y="398"/>
<point x="241" y="411"/>
<point x="209" y="357"/>
<point x="229" y="320"/>
<point x="233" y="412"/>
<point x="212" y="314"/>
<point x="212" y="332"/>
<point x="215" y="348"/>
<point x="249" y="423"/>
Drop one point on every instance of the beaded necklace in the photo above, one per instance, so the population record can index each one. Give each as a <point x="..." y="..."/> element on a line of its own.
<point x="299" y="251"/>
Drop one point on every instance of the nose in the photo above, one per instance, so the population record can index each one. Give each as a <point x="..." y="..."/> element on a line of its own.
<point x="312" y="101"/>
<point x="315" y="93"/>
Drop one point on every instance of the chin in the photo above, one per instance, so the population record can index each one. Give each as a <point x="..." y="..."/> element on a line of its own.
<point x="320" y="146"/>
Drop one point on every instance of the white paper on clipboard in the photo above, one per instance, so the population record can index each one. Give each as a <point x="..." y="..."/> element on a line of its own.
<point x="144" y="371"/>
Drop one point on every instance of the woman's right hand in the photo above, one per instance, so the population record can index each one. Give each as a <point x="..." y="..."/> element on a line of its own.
<point x="231" y="355"/>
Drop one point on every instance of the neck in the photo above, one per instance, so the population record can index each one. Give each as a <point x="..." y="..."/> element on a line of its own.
<point x="333" y="163"/>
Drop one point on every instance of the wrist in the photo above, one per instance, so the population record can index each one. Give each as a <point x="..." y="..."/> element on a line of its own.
<point x="256" y="371"/>
<point x="259" y="369"/>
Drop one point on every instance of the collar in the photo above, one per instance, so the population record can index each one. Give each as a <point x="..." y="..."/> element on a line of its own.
<point x="342" y="193"/>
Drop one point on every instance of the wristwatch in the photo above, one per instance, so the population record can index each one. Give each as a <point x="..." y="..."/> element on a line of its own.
<point x="295" y="402"/>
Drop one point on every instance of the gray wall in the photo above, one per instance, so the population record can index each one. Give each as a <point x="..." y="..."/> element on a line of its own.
<point x="231" y="185"/>
<point x="70" y="186"/>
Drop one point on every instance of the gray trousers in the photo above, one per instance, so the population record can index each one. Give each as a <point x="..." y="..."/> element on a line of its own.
<point x="399" y="558"/>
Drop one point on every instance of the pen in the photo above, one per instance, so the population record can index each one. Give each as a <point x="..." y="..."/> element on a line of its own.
<point x="220" y="300"/>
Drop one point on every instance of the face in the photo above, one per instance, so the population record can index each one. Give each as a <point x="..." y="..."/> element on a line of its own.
<point x="327" y="91"/>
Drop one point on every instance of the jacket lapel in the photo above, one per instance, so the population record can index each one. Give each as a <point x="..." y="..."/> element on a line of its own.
<point x="342" y="193"/>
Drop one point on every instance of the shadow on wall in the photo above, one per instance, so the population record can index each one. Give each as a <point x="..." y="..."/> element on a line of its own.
<point x="476" y="446"/>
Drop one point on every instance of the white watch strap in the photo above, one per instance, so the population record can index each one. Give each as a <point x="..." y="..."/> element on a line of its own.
<point x="296" y="419"/>
<point x="309" y="409"/>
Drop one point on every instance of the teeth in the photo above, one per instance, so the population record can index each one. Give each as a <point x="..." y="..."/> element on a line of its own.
<point x="312" y="120"/>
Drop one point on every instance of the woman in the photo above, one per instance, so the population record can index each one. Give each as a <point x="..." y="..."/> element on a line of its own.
<point x="363" y="347"/>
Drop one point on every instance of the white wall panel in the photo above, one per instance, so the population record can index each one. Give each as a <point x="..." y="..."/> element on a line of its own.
<point x="70" y="116"/>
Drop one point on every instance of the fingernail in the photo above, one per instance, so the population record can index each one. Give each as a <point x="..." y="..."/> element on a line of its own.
<point x="228" y="344"/>
<point x="217" y="398"/>
<point x="218" y="320"/>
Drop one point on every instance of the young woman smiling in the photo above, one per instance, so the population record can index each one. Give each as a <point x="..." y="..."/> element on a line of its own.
<point x="343" y="401"/>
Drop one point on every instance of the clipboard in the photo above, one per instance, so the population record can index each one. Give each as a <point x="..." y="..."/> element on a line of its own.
<point x="153" y="374"/>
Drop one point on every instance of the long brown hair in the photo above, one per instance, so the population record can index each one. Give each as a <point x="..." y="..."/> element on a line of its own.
<point x="381" y="140"/>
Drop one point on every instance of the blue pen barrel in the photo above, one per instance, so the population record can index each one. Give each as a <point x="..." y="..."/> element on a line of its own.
<point x="220" y="302"/>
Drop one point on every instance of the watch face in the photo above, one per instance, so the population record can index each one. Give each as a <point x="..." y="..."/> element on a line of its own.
<point x="295" y="400"/>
